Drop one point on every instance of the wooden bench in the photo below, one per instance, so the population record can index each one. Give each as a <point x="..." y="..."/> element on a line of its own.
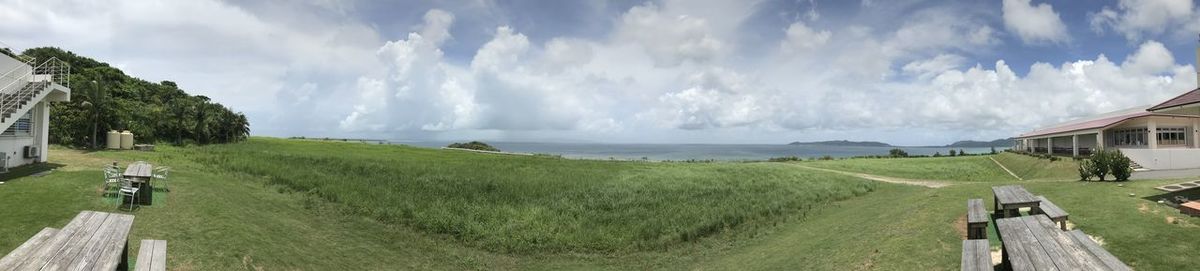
<point x="1107" y="258"/>
<point x="976" y="255"/>
<point x="152" y="256"/>
<point x="1052" y="211"/>
<point x="977" y="219"/>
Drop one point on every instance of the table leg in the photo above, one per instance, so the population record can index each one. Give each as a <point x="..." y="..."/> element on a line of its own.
<point x="124" y="265"/>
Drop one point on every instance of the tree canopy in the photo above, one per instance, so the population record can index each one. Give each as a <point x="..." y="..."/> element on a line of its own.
<point x="104" y="98"/>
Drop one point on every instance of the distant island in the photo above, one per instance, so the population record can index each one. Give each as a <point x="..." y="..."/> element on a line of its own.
<point x="843" y="143"/>
<point x="1006" y="142"/>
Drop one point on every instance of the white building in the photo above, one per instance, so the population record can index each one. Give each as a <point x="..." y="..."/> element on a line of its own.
<point x="1162" y="136"/>
<point x="26" y="86"/>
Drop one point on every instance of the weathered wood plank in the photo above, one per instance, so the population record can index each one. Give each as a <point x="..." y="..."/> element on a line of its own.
<point x="1050" y="209"/>
<point x="1024" y="251"/>
<point x="1016" y="256"/>
<point x="1072" y="247"/>
<point x="55" y="244"/>
<point x="30" y="246"/>
<point x="160" y="256"/>
<point x="975" y="211"/>
<point x="1104" y="256"/>
<point x="976" y="255"/>
<point x="1045" y="238"/>
<point x="73" y="247"/>
<point x="103" y="252"/>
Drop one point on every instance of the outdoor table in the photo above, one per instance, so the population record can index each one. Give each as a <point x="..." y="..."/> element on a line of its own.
<point x="1036" y="243"/>
<point x="1009" y="198"/>
<point x="140" y="174"/>
<point x="1190" y="208"/>
<point x="91" y="241"/>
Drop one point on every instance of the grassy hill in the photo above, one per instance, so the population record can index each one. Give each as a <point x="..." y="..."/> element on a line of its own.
<point x="966" y="168"/>
<point x="291" y="204"/>
<point x="1031" y="168"/>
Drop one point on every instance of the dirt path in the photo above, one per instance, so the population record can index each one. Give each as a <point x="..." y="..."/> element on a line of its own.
<point x="886" y="179"/>
<point x="1006" y="169"/>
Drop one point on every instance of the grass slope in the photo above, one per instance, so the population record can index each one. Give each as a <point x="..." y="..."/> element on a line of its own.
<point x="966" y="168"/>
<point x="1032" y="168"/>
<point x="219" y="219"/>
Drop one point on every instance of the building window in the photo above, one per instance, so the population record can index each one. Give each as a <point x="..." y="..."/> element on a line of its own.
<point x="1172" y="136"/>
<point x="23" y="126"/>
<point x="1129" y="137"/>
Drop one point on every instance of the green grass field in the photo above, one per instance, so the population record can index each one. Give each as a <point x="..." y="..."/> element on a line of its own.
<point x="1039" y="169"/>
<point x="966" y="168"/>
<point x="277" y="204"/>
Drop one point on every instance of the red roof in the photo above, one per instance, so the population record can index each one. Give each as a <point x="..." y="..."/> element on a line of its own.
<point x="1086" y="125"/>
<point x="1190" y="97"/>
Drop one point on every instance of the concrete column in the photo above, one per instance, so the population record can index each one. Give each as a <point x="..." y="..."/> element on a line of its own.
<point x="1152" y="138"/>
<point x="1196" y="132"/>
<point x="1099" y="141"/>
<point x="1049" y="145"/>
<point x="1074" y="145"/>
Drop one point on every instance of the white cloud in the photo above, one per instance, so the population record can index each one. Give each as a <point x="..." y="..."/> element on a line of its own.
<point x="801" y="38"/>
<point x="670" y="40"/>
<point x="1035" y="24"/>
<point x="1139" y="19"/>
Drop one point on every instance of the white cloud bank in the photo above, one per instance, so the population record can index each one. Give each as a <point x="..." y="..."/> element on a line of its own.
<point x="1139" y="19"/>
<point x="673" y="71"/>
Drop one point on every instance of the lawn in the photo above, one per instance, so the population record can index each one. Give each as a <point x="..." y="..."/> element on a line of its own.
<point x="245" y="206"/>
<point x="963" y="168"/>
<point x="1032" y="168"/>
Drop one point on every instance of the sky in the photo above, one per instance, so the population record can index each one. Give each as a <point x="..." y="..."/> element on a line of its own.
<point x="669" y="71"/>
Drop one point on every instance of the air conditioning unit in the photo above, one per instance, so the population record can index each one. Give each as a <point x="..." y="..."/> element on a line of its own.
<point x="32" y="152"/>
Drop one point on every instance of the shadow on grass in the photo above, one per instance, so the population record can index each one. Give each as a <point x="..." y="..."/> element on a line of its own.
<point x="1171" y="198"/>
<point x="35" y="169"/>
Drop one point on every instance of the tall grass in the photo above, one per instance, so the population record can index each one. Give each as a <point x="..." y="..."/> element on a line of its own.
<point x="527" y="204"/>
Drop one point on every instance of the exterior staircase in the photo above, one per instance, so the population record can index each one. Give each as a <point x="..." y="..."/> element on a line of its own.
<point x="23" y="87"/>
<point x="1134" y="165"/>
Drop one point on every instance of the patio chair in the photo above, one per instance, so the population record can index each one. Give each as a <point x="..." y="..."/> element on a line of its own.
<point x="111" y="179"/>
<point x="128" y="192"/>
<point x="160" y="176"/>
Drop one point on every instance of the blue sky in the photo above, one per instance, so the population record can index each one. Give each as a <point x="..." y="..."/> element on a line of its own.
<point x="670" y="71"/>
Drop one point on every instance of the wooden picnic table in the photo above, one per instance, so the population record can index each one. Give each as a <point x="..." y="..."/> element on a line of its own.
<point x="140" y="174"/>
<point x="1036" y="243"/>
<point x="1009" y="198"/>
<point x="91" y="241"/>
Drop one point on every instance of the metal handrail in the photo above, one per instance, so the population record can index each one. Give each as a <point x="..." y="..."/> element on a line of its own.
<point x="56" y="71"/>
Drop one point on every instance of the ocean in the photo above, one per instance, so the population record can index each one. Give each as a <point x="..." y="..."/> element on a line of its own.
<point x="676" y="152"/>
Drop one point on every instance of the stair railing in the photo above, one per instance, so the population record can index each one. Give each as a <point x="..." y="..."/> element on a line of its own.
<point x="50" y="71"/>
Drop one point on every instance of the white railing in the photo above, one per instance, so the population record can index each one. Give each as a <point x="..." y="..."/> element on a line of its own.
<point x="51" y="71"/>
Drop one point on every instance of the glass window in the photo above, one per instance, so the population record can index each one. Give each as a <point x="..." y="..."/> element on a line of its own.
<point x="23" y="126"/>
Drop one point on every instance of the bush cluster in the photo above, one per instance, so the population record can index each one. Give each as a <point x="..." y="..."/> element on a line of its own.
<point x="473" y="145"/>
<point x="1103" y="163"/>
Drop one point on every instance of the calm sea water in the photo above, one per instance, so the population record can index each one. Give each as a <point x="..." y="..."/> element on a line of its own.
<point x="696" y="151"/>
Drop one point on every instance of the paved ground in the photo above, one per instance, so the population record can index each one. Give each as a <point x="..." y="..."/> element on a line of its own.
<point x="1165" y="174"/>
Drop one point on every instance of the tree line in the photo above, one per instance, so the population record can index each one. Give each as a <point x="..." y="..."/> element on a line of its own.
<point x="104" y="98"/>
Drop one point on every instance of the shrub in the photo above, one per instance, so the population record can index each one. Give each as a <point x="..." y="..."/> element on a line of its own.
<point x="784" y="159"/>
<point x="937" y="154"/>
<point x="1085" y="170"/>
<point x="1101" y="164"/>
<point x="1119" y="166"/>
<point x="897" y="153"/>
<point x="953" y="153"/>
<point x="961" y="152"/>
<point x="474" y="145"/>
<point x="993" y="150"/>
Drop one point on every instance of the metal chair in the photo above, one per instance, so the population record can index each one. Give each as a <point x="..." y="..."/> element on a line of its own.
<point x="111" y="179"/>
<point x="128" y="192"/>
<point x="160" y="176"/>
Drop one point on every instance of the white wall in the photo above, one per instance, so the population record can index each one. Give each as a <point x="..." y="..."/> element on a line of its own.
<point x="7" y="73"/>
<point x="1164" y="158"/>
